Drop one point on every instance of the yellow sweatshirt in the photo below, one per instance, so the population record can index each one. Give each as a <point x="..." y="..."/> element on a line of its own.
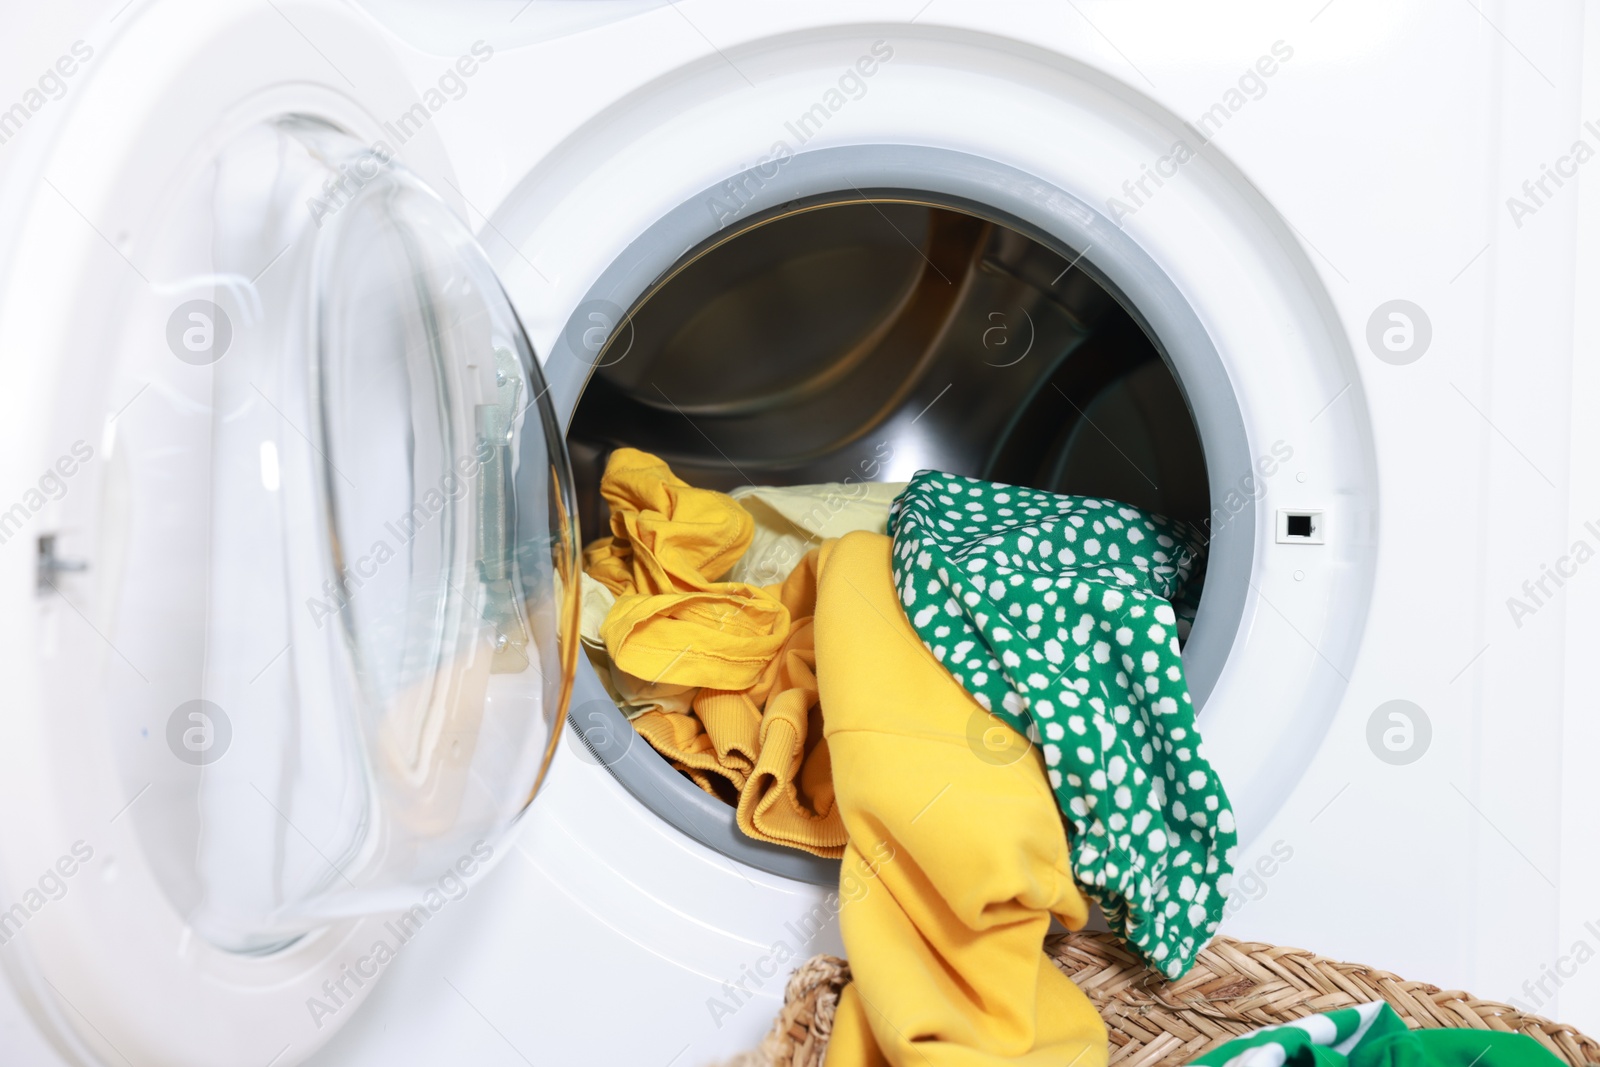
<point x="958" y="843"/>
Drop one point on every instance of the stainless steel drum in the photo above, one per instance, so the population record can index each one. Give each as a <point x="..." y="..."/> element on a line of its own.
<point x="865" y="340"/>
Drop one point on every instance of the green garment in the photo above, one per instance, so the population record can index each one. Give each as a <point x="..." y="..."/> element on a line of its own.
<point x="1055" y="613"/>
<point x="1372" y="1035"/>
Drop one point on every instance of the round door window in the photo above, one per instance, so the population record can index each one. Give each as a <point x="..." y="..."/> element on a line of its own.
<point x="336" y="537"/>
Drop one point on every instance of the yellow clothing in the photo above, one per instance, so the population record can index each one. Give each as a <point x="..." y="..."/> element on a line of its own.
<point x="723" y="637"/>
<point x="633" y="696"/>
<point x="765" y="740"/>
<point x="674" y="623"/>
<point x="666" y="535"/>
<point x="743" y="654"/>
<point x="955" y="862"/>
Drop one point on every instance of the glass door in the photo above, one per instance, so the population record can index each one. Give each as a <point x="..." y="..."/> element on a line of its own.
<point x="337" y="537"/>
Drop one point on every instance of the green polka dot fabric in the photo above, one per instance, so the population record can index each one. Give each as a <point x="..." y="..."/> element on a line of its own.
<point x="1056" y="614"/>
<point x="1374" y="1035"/>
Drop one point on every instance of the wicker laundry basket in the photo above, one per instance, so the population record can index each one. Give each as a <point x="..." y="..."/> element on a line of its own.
<point x="1234" y="987"/>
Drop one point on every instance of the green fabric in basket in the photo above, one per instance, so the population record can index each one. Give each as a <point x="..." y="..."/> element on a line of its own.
<point x="1372" y="1035"/>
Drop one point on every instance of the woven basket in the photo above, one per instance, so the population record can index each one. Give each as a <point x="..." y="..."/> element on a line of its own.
<point x="1234" y="987"/>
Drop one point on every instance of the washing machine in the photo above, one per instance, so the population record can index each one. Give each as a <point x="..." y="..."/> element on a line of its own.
<point x="319" y="320"/>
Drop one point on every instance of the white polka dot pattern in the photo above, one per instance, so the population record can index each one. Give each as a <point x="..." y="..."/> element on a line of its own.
<point x="1055" y="613"/>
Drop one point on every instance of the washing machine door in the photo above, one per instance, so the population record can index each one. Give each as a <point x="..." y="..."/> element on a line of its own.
<point x="288" y="607"/>
<point x="337" y="553"/>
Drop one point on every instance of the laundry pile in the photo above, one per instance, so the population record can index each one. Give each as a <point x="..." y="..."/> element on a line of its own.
<point x="1055" y="613"/>
<point x="719" y="676"/>
<point x="924" y="691"/>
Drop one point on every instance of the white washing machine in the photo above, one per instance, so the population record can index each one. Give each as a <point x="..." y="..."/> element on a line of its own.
<point x="285" y="502"/>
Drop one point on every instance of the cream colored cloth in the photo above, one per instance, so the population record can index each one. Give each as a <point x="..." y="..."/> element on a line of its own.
<point x="791" y="520"/>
